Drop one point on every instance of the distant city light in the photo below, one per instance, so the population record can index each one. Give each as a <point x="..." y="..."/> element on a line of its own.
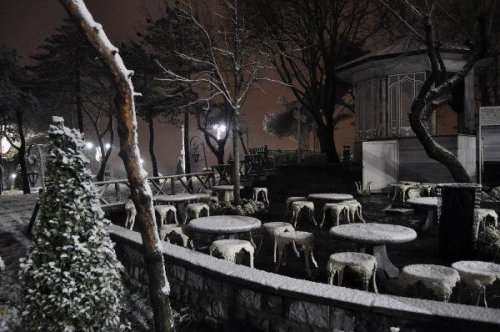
<point x="13" y="176"/>
<point x="141" y="161"/>
<point x="107" y="146"/>
<point x="89" y="145"/>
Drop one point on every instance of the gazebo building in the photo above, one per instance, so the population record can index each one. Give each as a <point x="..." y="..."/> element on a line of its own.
<point x="385" y="83"/>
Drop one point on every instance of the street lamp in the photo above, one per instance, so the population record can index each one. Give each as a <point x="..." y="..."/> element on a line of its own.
<point x="89" y="145"/>
<point x="219" y="128"/>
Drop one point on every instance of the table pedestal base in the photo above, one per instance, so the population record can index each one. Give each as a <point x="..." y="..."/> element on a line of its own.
<point x="428" y="221"/>
<point x="385" y="268"/>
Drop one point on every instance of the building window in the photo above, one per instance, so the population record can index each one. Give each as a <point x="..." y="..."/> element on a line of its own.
<point x="402" y="90"/>
<point x="368" y="116"/>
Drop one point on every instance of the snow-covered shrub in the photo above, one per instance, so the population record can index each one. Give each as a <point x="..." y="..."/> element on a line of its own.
<point x="70" y="280"/>
<point x="488" y="244"/>
<point x="248" y="207"/>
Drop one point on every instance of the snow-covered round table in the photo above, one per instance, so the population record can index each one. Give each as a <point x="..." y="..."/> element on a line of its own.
<point x="429" y="203"/>
<point x="330" y="197"/>
<point x="374" y="237"/>
<point x="477" y="275"/>
<point x="224" y="225"/>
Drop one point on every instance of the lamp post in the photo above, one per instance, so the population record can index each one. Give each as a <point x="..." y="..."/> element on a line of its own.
<point x="194" y="144"/>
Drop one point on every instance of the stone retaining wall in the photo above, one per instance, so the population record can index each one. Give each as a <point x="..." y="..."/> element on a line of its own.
<point x="225" y="292"/>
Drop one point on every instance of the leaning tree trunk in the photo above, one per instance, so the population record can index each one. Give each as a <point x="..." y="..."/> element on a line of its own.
<point x="236" y="157"/>
<point x="154" y="162"/>
<point x="21" y="153"/>
<point x="431" y="97"/>
<point x="433" y="149"/>
<point x="159" y="288"/>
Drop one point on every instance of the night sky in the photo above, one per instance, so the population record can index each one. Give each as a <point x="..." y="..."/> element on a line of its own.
<point x="24" y="24"/>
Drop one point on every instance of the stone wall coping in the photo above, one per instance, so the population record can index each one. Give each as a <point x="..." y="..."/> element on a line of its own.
<point x="305" y="290"/>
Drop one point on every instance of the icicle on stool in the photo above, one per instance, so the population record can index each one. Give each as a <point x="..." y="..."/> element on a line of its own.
<point x="363" y="264"/>
<point x="337" y="209"/>
<point x="303" y="239"/>
<point x="263" y="192"/>
<point x="355" y="210"/>
<point x="297" y="206"/>
<point x="290" y="200"/>
<point x="275" y="228"/>
<point x="228" y="248"/>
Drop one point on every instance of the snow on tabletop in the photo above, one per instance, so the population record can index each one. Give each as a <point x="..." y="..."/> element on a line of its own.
<point x="224" y="224"/>
<point x="374" y="233"/>
<point x="429" y="201"/>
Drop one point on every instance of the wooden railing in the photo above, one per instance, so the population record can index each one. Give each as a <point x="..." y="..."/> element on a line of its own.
<point x="114" y="191"/>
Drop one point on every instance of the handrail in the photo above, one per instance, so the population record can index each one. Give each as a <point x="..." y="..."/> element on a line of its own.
<point x="160" y="185"/>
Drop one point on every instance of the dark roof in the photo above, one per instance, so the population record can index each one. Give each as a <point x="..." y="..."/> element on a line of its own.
<point x="406" y="46"/>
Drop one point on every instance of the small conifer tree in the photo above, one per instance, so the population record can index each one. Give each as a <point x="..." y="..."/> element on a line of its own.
<point x="71" y="280"/>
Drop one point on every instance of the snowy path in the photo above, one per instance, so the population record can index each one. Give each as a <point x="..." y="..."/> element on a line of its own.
<point x="15" y="212"/>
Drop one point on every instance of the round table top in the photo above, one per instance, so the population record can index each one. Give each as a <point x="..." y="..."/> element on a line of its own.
<point x="428" y="201"/>
<point x="373" y="233"/>
<point x="430" y="272"/>
<point x="478" y="268"/>
<point x="225" y="187"/>
<point x="224" y="224"/>
<point x="176" y="198"/>
<point x="333" y="197"/>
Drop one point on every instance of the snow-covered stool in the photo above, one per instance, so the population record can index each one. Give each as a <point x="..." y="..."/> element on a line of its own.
<point x="335" y="209"/>
<point x="363" y="264"/>
<point x="169" y="231"/>
<point x="298" y="206"/>
<point x="400" y="190"/>
<point x="437" y="278"/>
<point x="131" y="213"/>
<point x="230" y="247"/>
<point x="263" y="193"/>
<point x="428" y="188"/>
<point x="290" y="200"/>
<point x="477" y="275"/>
<point x="355" y="210"/>
<point x="163" y="211"/>
<point x="195" y="210"/>
<point x="304" y="240"/>
<point x="275" y="228"/>
<point x="481" y="216"/>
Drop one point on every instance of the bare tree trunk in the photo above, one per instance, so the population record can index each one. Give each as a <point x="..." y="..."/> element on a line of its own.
<point x="236" y="157"/>
<point x="159" y="289"/>
<point x="187" y="166"/>
<point x="327" y="143"/>
<point x="107" y="155"/>
<point x="154" y="162"/>
<point x="21" y="153"/>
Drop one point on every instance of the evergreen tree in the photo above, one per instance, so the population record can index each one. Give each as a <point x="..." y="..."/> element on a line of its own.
<point x="70" y="281"/>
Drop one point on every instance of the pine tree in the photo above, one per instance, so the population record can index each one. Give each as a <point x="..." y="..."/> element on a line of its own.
<point x="70" y="281"/>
